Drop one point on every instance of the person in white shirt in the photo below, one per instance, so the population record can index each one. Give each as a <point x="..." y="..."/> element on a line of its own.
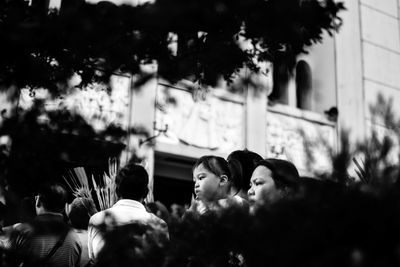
<point x="131" y="188"/>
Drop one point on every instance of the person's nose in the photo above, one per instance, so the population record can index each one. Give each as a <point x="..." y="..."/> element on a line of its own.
<point x="250" y="192"/>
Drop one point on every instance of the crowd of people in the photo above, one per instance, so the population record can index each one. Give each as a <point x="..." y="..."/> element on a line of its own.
<point x="244" y="187"/>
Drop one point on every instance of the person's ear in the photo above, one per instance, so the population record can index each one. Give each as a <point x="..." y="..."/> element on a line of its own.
<point x="38" y="201"/>
<point x="286" y="192"/>
<point x="146" y="191"/>
<point x="223" y="180"/>
<point x="67" y="208"/>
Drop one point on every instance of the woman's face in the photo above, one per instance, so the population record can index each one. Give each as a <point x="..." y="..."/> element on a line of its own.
<point x="262" y="186"/>
<point x="206" y="184"/>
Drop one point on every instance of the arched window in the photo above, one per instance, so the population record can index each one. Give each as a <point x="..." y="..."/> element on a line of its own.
<point x="281" y="78"/>
<point x="303" y="85"/>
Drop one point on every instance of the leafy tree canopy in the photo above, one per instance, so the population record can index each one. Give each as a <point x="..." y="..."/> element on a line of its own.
<point x="201" y="40"/>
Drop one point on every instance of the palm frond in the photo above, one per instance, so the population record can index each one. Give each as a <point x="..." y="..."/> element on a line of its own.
<point x="78" y="182"/>
<point x="105" y="189"/>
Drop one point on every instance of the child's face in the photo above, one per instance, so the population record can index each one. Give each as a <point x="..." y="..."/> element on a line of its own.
<point x="206" y="184"/>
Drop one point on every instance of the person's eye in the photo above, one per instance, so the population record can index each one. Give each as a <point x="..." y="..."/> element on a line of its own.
<point x="200" y="178"/>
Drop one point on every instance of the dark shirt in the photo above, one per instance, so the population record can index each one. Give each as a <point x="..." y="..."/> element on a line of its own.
<point x="36" y="239"/>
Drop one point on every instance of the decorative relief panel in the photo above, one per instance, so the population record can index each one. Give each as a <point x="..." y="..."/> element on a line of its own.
<point x="96" y="103"/>
<point x="303" y="142"/>
<point x="205" y="121"/>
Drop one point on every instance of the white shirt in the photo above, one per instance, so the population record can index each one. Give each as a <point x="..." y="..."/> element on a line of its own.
<point x="125" y="211"/>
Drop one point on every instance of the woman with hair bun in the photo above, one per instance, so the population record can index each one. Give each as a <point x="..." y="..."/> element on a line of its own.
<point x="242" y="164"/>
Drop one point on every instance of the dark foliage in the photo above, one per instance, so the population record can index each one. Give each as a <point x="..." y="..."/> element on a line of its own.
<point x="45" y="144"/>
<point x="43" y="49"/>
<point x="327" y="225"/>
<point x="216" y="238"/>
<point x="134" y="245"/>
<point x="337" y="226"/>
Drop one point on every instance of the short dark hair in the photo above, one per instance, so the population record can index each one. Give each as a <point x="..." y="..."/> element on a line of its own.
<point x="81" y="210"/>
<point x="214" y="164"/>
<point x="242" y="164"/>
<point x="53" y="197"/>
<point x="284" y="173"/>
<point x="132" y="182"/>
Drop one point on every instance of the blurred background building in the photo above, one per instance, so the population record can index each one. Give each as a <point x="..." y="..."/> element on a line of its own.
<point x="296" y="116"/>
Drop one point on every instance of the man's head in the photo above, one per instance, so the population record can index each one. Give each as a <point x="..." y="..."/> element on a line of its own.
<point x="51" y="197"/>
<point x="132" y="182"/>
<point x="80" y="211"/>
